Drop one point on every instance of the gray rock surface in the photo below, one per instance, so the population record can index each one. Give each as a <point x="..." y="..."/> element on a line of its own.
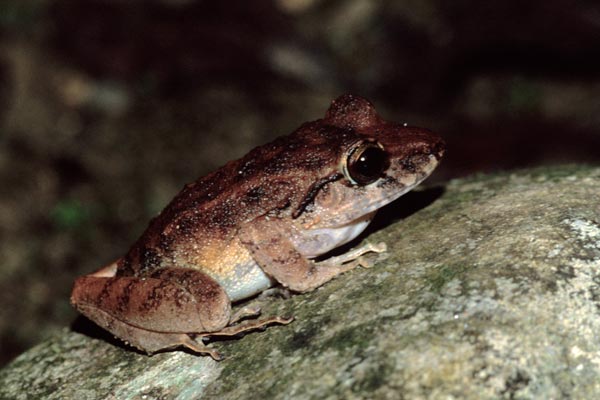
<point x="491" y="289"/>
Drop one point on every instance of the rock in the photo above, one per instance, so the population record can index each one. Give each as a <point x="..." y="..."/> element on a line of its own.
<point x="491" y="289"/>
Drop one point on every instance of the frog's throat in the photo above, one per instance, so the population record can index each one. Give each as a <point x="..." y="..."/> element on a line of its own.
<point x="312" y="243"/>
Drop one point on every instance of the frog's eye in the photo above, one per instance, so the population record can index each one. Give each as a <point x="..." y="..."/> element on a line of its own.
<point x="365" y="163"/>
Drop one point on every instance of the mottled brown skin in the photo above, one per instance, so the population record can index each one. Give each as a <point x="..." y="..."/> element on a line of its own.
<point x="171" y="287"/>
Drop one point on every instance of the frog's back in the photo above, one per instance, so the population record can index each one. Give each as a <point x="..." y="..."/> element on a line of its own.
<point x="209" y="211"/>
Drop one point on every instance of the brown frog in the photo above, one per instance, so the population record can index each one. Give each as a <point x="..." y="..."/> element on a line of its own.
<point x="258" y="222"/>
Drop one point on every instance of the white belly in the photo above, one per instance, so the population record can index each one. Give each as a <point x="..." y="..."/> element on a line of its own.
<point x="315" y="242"/>
<point x="246" y="280"/>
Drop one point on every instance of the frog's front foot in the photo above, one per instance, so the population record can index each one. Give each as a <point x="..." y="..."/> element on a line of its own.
<point x="354" y="257"/>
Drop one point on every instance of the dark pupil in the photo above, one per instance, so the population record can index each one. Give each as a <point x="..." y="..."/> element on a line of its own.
<point x="368" y="165"/>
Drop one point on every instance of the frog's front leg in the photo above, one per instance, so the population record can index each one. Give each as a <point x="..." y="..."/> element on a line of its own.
<point x="268" y="241"/>
<point x="166" y="309"/>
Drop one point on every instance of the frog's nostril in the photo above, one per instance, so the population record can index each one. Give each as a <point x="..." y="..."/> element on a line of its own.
<point x="421" y="156"/>
<point x="439" y="149"/>
<point x="411" y="163"/>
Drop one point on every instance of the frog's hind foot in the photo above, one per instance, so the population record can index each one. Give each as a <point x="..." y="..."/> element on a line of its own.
<point x="196" y="344"/>
<point x="200" y="348"/>
<point x="246" y="326"/>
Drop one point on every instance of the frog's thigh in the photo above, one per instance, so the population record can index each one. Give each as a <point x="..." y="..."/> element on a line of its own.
<point x="156" y="312"/>
<point x="269" y="244"/>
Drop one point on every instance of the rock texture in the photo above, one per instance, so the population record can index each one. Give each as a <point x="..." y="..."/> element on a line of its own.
<point x="491" y="289"/>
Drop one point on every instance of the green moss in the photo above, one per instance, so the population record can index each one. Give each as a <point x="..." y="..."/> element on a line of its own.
<point x="439" y="277"/>
<point x="350" y="338"/>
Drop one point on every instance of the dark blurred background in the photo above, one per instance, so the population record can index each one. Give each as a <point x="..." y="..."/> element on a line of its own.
<point x="108" y="107"/>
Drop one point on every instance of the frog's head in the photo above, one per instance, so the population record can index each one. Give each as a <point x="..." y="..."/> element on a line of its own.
<point x="376" y="162"/>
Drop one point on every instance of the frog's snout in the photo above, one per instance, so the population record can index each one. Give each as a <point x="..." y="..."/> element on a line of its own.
<point x="422" y="155"/>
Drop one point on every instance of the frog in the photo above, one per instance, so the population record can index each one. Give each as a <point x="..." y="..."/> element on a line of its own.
<point x="270" y="219"/>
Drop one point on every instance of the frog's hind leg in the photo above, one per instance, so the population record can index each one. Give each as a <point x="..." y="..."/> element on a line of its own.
<point x="146" y="340"/>
<point x="158" y="311"/>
